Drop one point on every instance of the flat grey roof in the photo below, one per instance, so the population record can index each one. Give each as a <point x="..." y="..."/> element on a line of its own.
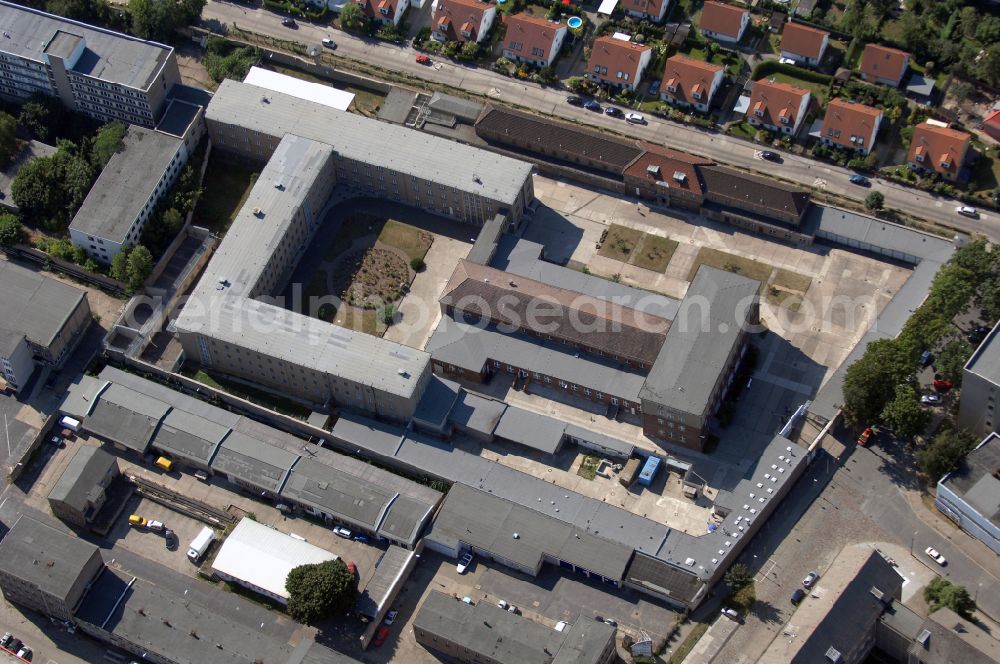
<point x="336" y="493"/>
<point x="245" y="256"/>
<point x="492" y="634"/>
<point x="189" y="436"/>
<point x="178" y="117"/>
<point x="985" y="361"/>
<point x="485" y="521"/>
<point x="969" y="644"/>
<point x="107" y="56"/>
<point x="42" y="556"/>
<point x="622" y="447"/>
<point x="78" y="483"/>
<point x="388" y="570"/>
<point x="487" y="240"/>
<point x="920" y="85"/>
<point x="861" y="231"/>
<point x="125" y="417"/>
<point x="437" y="400"/>
<point x="126" y="184"/>
<point x="477" y="413"/>
<point x="524" y="258"/>
<point x="253" y="461"/>
<point x="976" y="481"/>
<point x="35" y="305"/>
<point x="692" y="357"/>
<point x="407" y="151"/>
<point x="470" y="347"/>
<point x="530" y="429"/>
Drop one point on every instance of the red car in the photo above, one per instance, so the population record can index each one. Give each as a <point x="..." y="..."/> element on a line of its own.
<point x="943" y="384"/>
<point x="352" y="568"/>
<point x="380" y="635"/>
<point x="865" y="437"/>
<point x="423" y="59"/>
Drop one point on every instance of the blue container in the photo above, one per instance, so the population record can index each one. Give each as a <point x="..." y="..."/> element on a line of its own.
<point x="649" y="471"/>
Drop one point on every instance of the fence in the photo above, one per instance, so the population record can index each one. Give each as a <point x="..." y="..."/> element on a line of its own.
<point x="47" y="262"/>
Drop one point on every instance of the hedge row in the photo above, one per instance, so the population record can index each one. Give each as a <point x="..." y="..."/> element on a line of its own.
<point x="297" y="7"/>
<point x="769" y="67"/>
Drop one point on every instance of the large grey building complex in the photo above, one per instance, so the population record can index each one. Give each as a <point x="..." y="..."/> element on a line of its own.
<point x="970" y="494"/>
<point x="46" y="570"/>
<point x="981" y="388"/>
<point x="42" y="319"/>
<point x="374" y="158"/>
<point x="225" y="327"/>
<point x="487" y="634"/>
<point x="106" y="75"/>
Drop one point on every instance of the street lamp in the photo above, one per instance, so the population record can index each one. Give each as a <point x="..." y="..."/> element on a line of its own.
<point x="912" y="537"/>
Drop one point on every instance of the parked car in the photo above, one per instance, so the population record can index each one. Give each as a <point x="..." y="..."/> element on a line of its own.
<point x="6" y="639"/>
<point x="654" y="87"/>
<point x="865" y="436"/>
<point x="967" y="211"/>
<point x="592" y="105"/>
<point x="513" y="609"/>
<point x="156" y="526"/>
<point x="361" y="538"/>
<point x="380" y="636"/>
<point x="943" y="384"/>
<point x="797" y="596"/>
<point x="25" y="653"/>
<point x="391" y="617"/>
<point x="936" y="556"/>
<point x="810" y="579"/>
<point x="463" y="563"/>
<point x="170" y="539"/>
<point x="860" y="180"/>
<point x="502" y="604"/>
<point x="561" y="626"/>
<point x="422" y="59"/>
<point x="770" y="156"/>
<point x="468" y="600"/>
<point x="614" y="112"/>
<point x="575" y="101"/>
<point x="329" y="43"/>
<point x="926" y="358"/>
<point x="288" y="22"/>
<point x="14" y="645"/>
<point x="340" y="531"/>
<point x="56" y="441"/>
<point x="635" y="118"/>
<point x="137" y="521"/>
<point x="930" y="398"/>
<point x="730" y="613"/>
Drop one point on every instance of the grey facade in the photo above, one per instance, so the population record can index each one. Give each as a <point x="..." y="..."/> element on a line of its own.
<point x="970" y="495"/>
<point x="47" y="314"/>
<point x="79" y="493"/>
<point x="46" y="570"/>
<point x="106" y="75"/>
<point x="487" y="634"/>
<point x="980" y="388"/>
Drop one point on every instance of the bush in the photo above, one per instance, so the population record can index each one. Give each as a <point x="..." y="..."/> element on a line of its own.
<point x="11" y="230"/>
<point x="223" y="59"/>
<point x="299" y="8"/>
<point x="8" y="138"/>
<point x="417" y="264"/>
<point x="768" y="67"/>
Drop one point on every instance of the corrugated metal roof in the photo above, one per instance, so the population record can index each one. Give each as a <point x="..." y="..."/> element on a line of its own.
<point x="35" y="305"/>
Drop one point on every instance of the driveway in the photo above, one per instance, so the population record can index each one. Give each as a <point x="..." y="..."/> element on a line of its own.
<point x="728" y="150"/>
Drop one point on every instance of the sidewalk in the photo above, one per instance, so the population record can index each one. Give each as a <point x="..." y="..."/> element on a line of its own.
<point x="712" y="641"/>
<point x="970" y="546"/>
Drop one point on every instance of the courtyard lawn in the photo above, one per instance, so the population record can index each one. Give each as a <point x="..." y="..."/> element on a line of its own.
<point x="654" y="253"/>
<point x="366" y="102"/>
<point x="588" y="467"/>
<point x="360" y="320"/>
<point x="730" y="263"/>
<point x="226" y="188"/>
<point x="620" y="242"/>
<point x="788" y="288"/>
<point x="410" y="240"/>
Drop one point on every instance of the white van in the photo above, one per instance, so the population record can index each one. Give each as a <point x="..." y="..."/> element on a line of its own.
<point x="70" y="423"/>
<point x="199" y="545"/>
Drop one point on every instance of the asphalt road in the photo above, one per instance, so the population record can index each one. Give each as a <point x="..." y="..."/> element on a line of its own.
<point x="724" y="149"/>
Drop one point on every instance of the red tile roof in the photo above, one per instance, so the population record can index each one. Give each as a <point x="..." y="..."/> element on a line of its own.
<point x="650" y="7"/>
<point x="721" y="18"/>
<point x="848" y="119"/>
<point x="530" y="32"/>
<point x="688" y="76"/>
<point x="670" y="166"/>
<point x="941" y="148"/>
<point x="991" y="124"/>
<point x="455" y="16"/>
<point x="776" y="100"/>
<point x="883" y="62"/>
<point x="802" y="40"/>
<point x="617" y="55"/>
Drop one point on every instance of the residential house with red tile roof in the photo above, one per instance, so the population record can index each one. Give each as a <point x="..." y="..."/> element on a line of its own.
<point x="384" y="11"/>
<point x="690" y="83"/>
<point x="803" y="44"/>
<point x="461" y="20"/>
<point x="779" y="107"/>
<point x="850" y="125"/>
<point x="533" y="39"/>
<point x="723" y="22"/>
<point x="885" y="65"/>
<point x="618" y="62"/>
<point x="991" y="123"/>
<point x="940" y="150"/>
<point x="650" y="10"/>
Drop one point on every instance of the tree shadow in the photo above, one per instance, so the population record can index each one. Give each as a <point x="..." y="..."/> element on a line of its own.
<point x="767" y="613"/>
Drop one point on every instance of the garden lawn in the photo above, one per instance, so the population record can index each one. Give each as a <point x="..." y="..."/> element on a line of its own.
<point x="226" y="188"/>
<point x="986" y="173"/>
<point x="654" y="253"/>
<point x="730" y="263"/>
<point x="743" y="129"/>
<point x="410" y="240"/>
<point x="788" y="289"/>
<point x="819" y="90"/>
<point x="588" y="467"/>
<point x="620" y="243"/>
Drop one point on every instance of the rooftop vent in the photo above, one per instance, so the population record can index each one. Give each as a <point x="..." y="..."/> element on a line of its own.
<point x="516" y="536"/>
<point x="833" y="655"/>
<point x="403" y="372"/>
<point x="653" y="170"/>
<point x="924" y="637"/>
<point x="877" y="594"/>
<point x="279" y="186"/>
<point x="257" y="212"/>
<point x="680" y="177"/>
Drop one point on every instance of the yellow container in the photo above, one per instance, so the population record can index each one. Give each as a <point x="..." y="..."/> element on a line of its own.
<point x="164" y="463"/>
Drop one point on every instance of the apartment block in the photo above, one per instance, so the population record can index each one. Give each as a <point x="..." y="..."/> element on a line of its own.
<point x="106" y="75"/>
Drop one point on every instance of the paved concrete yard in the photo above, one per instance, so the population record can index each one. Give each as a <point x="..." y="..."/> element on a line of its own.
<point x="152" y="545"/>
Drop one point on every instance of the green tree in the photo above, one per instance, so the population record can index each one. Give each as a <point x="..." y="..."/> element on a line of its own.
<point x="34" y="117"/>
<point x="106" y="143"/>
<point x="871" y="381"/>
<point x="470" y="49"/>
<point x="875" y="201"/>
<point x="320" y="590"/>
<point x="943" y="593"/>
<point x="352" y="18"/>
<point x="139" y="267"/>
<point x="76" y="9"/>
<point x="952" y="358"/>
<point x="119" y="265"/>
<point x="158" y="19"/>
<point x="11" y="230"/>
<point x="738" y="577"/>
<point x="8" y="138"/>
<point x="50" y="190"/>
<point x="904" y="415"/>
<point x="944" y="452"/>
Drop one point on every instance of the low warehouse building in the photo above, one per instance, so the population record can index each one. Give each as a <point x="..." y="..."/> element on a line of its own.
<point x="81" y="490"/>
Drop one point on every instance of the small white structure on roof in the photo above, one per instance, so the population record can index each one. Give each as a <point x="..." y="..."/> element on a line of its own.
<point x="296" y="87"/>
<point x="259" y="558"/>
<point x="607" y="7"/>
